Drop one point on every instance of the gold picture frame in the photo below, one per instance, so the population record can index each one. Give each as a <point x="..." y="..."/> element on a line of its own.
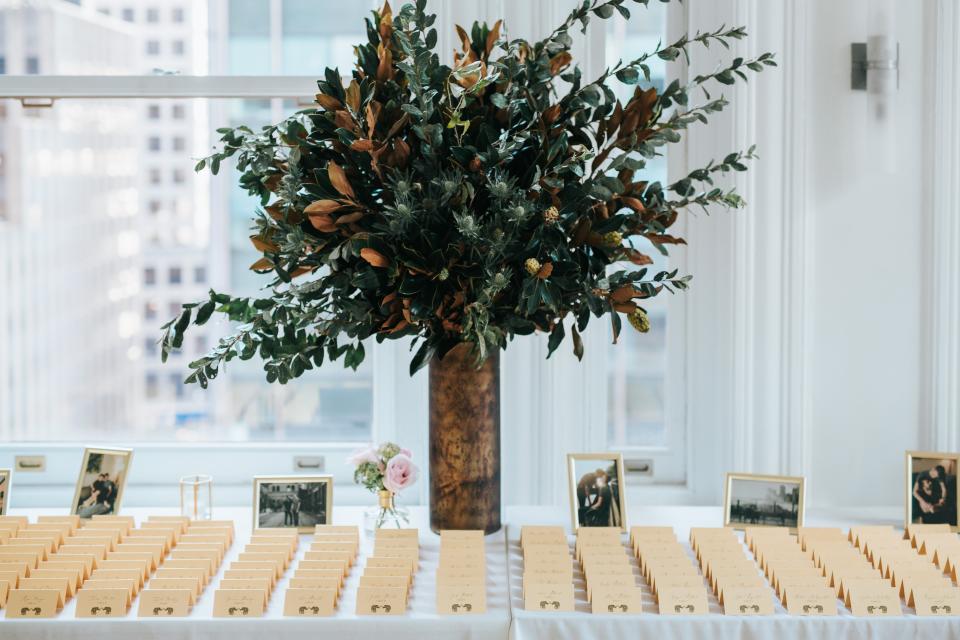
<point x="82" y="505"/>
<point x="791" y="520"/>
<point x="579" y="482"/>
<point x="5" y="477"/>
<point x="267" y="519"/>
<point x="953" y="514"/>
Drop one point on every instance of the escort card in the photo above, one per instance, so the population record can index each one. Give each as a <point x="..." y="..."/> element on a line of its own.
<point x="239" y="603"/>
<point x="682" y="601"/>
<point x="165" y="603"/>
<point x="33" y="603"/>
<point x="804" y="600"/>
<point x="747" y="601"/>
<point x="190" y="585"/>
<point x="461" y="599"/>
<point x="609" y="598"/>
<point x="549" y="597"/>
<point x="936" y="601"/>
<point x="299" y="602"/>
<point x="102" y="603"/>
<point x="873" y="600"/>
<point x="381" y="601"/>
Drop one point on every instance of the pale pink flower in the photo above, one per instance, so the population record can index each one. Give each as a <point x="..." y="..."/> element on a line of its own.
<point x="365" y="454"/>
<point x="400" y="473"/>
<point x="406" y="452"/>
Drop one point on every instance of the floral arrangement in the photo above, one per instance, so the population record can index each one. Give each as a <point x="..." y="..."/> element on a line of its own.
<point x="470" y="203"/>
<point x="385" y="468"/>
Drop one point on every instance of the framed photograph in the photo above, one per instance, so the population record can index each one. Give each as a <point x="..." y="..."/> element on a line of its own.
<point x="932" y="488"/>
<point x="296" y="502"/>
<point x="596" y="490"/>
<point x="751" y="500"/>
<point x="103" y="475"/>
<point x="4" y="490"/>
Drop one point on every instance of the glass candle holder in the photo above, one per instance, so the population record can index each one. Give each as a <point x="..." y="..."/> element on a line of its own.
<point x="196" y="497"/>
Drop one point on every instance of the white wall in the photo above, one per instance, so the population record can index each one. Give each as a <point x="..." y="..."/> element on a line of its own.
<point x="867" y="223"/>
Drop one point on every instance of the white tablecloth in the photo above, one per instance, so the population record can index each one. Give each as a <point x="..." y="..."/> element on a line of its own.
<point x="506" y="616"/>
<point x="582" y="624"/>
<point x="421" y="617"/>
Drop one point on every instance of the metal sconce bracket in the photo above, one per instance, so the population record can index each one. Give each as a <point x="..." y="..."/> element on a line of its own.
<point x="860" y="64"/>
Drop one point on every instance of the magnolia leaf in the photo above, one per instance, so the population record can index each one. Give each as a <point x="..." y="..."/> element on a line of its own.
<point x="323" y="207"/>
<point x="339" y="180"/>
<point x="262" y="265"/>
<point x="374" y="257"/>
<point x="363" y="145"/>
<point x="545" y="271"/>
<point x="577" y="342"/>
<point x="559" y="61"/>
<point x="493" y="36"/>
<point x="329" y="102"/>
<point x="353" y="96"/>
<point x="262" y="245"/>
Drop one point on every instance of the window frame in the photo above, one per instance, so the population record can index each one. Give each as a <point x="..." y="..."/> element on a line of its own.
<point x="549" y="407"/>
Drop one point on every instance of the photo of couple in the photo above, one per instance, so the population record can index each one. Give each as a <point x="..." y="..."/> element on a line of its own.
<point x="298" y="503"/>
<point x="932" y="490"/>
<point x="597" y="481"/>
<point x="99" y="488"/>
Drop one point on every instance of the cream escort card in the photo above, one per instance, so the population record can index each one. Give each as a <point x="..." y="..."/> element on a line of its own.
<point x="315" y="587"/>
<point x="665" y="566"/>
<point x="547" y="569"/>
<point x="735" y="579"/>
<point x="248" y="582"/>
<point x="385" y="589"/>
<point x="462" y="573"/>
<point x="608" y="571"/>
<point x="799" y="585"/>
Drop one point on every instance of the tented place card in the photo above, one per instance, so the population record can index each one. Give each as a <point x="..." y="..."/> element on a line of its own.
<point x="248" y="582"/>
<point x="315" y="587"/>
<point x="462" y="573"/>
<point x="608" y="571"/>
<point x="799" y="585"/>
<point x="734" y="578"/>
<point x="547" y="569"/>
<point x="666" y="567"/>
<point x="385" y="589"/>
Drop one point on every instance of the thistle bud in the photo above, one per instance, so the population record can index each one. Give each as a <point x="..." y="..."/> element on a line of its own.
<point x="551" y="215"/>
<point x="639" y="320"/>
<point x="532" y="265"/>
<point x="612" y="239"/>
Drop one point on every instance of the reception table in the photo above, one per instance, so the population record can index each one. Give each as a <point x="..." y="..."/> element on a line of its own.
<point x="505" y="616"/>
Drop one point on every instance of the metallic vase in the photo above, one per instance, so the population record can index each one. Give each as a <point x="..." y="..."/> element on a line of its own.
<point x="464" y="442"/>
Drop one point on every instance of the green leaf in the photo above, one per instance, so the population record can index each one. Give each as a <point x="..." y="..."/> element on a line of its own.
<point x="604" y="11"/>
<point x="556" y="337"/>
<point x="204" y="313"/>
<point x="422" y="357"/>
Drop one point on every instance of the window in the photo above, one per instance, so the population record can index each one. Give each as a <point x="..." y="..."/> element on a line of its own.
<point x="639" y="417"/>
<point x="149" y="310"/>
<point x="178" y="112"/>
<point x="154" y="207"/>
<point x="199" y="275"/>
<point x="32" y="65"/>
<point x="178" y="176"/>
<point x="173" y="308"/>
<point x="149" y="276"/>
<point x="200" y="344"/>
<point x="153" y="15"/>
<point x="177" y="15"/>
<point x="153" y="143"/>
<point x="179" y="143"/>
<point x="151" y="387"/>
<point x="177" y="47"/>
<point x="175" y="275"/>
<point x="3" y="64"/>
<point x="153" y="47"/>
<point x="155" y="177"/>
<point x="150" y="347"/>
<point x="153" y="112"/>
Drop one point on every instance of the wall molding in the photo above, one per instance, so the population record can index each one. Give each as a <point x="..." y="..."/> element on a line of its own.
<point x="940" y="413"/>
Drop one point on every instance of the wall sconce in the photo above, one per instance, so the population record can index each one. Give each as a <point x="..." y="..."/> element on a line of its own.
<point x="875" y="68"/>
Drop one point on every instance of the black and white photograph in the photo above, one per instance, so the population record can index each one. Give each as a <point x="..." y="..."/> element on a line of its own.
<point x="763" y="501"/>
<point x="295" y="502"/>
<point x="932" y="488"/>
<point x="103" y="474"/>
<point x="4" y="490"/>
<point x="596" y="490"/>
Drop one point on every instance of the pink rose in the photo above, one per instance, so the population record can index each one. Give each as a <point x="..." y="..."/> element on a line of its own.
<point x="366" y="454"/>
<point x="406" y="452"/>
<point x="400" y="473"/>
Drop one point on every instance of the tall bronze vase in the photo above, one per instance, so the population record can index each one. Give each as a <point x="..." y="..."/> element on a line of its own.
<point x="464" y="442"/>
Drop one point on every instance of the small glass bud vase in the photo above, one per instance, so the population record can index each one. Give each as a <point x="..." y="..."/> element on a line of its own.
<point x="196" y="497"/>
<point x="386" y="515"/>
